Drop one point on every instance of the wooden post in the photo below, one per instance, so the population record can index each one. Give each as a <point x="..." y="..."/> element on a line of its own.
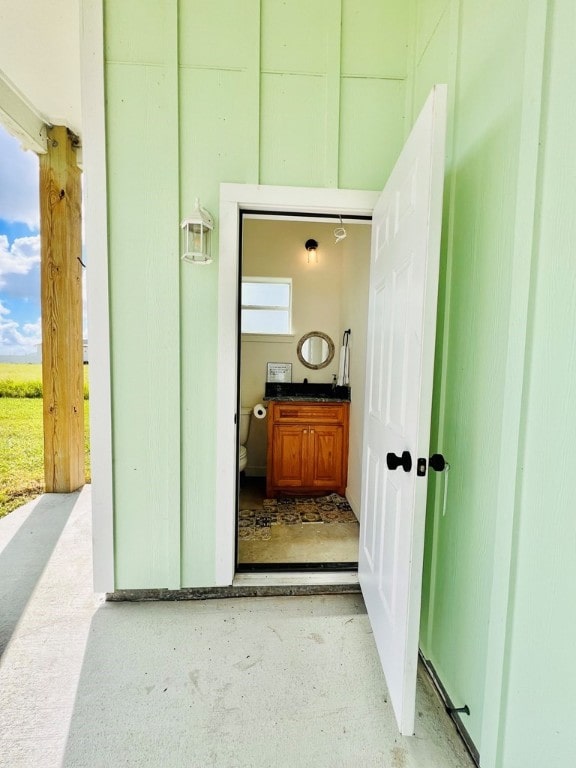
<point x="61" y="290"/>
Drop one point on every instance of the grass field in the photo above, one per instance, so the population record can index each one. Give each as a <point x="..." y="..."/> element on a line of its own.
<point x="22" y="441"/>
<point x="21" y="372"/>
<point x="25" y="380"/>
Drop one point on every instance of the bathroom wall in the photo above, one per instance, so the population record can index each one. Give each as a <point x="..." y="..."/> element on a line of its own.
<point x="322" y="301"/>
<point x="354" y="315"/>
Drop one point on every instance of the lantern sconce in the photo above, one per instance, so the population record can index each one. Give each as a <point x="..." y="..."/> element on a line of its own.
<point x="197" y="236"/>
<point x="311" y="246"/>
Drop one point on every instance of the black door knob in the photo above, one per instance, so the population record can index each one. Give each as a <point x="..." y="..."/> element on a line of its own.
<point x="404" y="461"/>
<point x="437" y="462"/>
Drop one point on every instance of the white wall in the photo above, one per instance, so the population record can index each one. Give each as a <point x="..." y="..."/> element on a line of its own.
<point x="354" y="315"/>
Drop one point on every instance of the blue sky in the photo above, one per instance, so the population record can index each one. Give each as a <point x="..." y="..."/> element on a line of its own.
<point x="19" y="249"/>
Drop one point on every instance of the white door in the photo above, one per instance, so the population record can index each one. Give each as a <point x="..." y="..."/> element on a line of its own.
<point x="401" y="335"/>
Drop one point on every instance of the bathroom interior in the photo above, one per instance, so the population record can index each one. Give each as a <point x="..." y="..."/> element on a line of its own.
<point x="302" y="353"/>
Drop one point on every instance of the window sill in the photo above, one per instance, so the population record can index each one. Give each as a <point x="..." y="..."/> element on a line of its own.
<point x="282" y="338"/>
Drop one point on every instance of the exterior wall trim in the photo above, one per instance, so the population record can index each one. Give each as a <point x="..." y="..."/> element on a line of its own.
<point x="96" y="235"/>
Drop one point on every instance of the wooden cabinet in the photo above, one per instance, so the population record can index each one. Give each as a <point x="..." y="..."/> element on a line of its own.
<point x="307" y="447"/>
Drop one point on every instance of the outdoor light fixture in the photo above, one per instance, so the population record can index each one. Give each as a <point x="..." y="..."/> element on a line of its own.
<point x="311" y="246"/>
<point x="197" y="235"/>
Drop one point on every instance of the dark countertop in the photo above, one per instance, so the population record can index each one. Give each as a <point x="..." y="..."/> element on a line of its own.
<point x="306" y="399"/>
<point x="311" y="392"/>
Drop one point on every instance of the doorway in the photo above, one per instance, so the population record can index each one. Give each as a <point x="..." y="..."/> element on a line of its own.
<point x="235" y="198"/>
<point x="285" y="294"/>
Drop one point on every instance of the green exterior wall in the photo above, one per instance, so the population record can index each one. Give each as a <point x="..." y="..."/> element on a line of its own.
<point x="305" y="93"/>
<point x="321" y="93"/>
<point x="143" y="166"/>
<point x="537" y="726"/>
<point x="497" y="620"/>
<point x="479" y="50"/>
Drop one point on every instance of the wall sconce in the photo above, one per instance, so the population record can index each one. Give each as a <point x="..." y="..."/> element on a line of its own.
<point x="311" y="246"/>
<point x="197" y="236"/>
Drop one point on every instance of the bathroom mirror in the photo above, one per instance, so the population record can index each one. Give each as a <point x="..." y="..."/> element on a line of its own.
<point x="315" y="350"/>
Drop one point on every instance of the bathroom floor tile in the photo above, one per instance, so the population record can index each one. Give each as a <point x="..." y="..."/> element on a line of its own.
<point x="294" y="529"/>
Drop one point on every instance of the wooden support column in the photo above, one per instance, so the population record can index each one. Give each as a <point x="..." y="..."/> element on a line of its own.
<point x="61" y="291"/>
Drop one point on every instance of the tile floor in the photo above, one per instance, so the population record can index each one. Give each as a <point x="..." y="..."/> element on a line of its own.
<point x="304" y="543"/>
<point x="276" y="682"/>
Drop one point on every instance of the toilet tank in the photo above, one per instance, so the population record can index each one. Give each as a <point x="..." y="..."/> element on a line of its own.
<point x="245" y="414"/>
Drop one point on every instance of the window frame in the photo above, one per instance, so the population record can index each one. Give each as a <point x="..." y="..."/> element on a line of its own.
<point x="267" y="335"/>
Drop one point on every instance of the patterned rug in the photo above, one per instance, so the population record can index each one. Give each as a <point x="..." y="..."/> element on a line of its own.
<point x="294" y="510"/>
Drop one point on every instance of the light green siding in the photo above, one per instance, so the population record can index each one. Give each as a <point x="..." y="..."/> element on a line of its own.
<point x="198" y="94"/>
<point x="497" y="618"/>
<point x="219" y="141"/>
<point x="480" y="50"/>
<point x="537" y="726"/>
<point x="141" y="81"/>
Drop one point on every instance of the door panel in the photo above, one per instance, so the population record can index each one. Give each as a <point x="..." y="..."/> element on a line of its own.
<point x="401" y="337"/>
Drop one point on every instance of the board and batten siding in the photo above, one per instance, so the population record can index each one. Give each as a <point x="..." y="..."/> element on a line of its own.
<point x="141" y="83"/>
<point x="305" y="93"/>
<point x="497" y="618"/>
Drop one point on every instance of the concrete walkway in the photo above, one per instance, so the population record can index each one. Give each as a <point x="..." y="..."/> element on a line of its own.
<point x="238" y="683"/>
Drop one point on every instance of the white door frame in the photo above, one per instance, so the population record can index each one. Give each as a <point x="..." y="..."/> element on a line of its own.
<point x="233" y="199"/>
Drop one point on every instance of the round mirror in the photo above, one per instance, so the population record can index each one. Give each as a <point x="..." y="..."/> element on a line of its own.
<point x="315" y="350"/>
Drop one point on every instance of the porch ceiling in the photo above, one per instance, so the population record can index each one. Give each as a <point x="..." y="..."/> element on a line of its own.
<point x="40" y="56"/>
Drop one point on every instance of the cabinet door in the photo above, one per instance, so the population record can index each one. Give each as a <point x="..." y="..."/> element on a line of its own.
<point x="289" y="455"/>
<point x="326" y="457"/>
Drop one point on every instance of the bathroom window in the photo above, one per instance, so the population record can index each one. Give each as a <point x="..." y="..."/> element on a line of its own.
<point x="267" y="305"/>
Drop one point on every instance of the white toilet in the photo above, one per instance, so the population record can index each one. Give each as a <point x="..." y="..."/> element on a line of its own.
<point x="245" y="414"/>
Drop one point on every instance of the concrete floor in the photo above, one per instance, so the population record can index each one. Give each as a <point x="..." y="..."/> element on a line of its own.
<point x="236" y="683"/>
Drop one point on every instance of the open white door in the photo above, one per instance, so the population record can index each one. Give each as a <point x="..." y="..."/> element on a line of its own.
<point x="401" y="336"/>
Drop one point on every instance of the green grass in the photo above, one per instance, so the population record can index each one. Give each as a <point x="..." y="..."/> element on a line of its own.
<point x="22" y="441"/>
<point x="21" y="371"/>
<point x="25" y="380"/>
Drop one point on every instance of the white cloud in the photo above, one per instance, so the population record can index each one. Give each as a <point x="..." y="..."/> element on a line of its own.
<point x="15" y="340"/>
<point x="19" y="258"/>
<point x="34" y="330"/>
<point x="18" y="182"/>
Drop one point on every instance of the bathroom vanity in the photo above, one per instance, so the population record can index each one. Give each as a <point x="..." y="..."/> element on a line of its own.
<point x="307" y="446"/>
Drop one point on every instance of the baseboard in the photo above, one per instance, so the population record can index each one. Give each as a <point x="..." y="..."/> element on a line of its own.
<point x="354" y="504"/>
<point x="255" y="471"/>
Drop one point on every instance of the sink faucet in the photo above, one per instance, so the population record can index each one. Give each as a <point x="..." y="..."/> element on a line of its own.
<point x="333" y="381"/>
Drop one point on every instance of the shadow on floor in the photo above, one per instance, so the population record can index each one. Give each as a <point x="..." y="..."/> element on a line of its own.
<point x="25" y="556"/>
